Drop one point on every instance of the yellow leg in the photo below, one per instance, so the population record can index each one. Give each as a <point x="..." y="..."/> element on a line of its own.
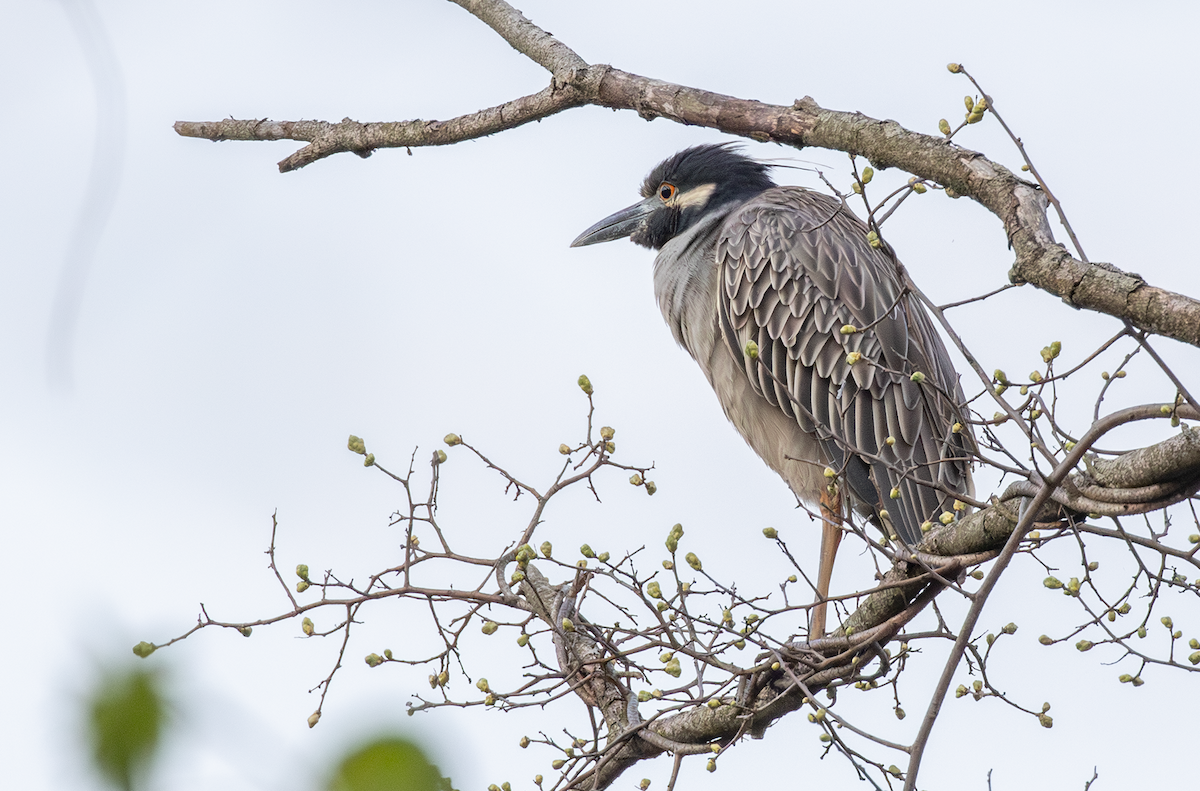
<point x="831" y="536"/>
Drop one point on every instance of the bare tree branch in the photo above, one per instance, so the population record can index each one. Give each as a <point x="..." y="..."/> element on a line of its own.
<point x="1020" y="205"/>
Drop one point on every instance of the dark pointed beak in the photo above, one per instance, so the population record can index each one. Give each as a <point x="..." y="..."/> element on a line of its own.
<point x="619" y="225"/>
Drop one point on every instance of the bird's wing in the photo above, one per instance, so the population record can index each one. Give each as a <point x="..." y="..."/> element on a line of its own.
<point x="795" y="268"/>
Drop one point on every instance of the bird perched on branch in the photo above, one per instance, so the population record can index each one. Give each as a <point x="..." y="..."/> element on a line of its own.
<point x="820" y="356"/>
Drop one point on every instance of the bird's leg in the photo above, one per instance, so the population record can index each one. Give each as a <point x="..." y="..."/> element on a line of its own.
<point x="831" y="536"/>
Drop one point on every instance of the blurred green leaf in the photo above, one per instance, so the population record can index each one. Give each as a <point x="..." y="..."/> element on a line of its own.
<point x="126" y="718"/>
<point x="390" y="763"/>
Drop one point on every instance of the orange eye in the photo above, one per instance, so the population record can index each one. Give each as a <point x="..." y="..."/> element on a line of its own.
<point x="667" y="191"/>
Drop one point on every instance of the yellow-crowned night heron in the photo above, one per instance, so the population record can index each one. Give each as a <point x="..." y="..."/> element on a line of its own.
<point x="849" y="372"/>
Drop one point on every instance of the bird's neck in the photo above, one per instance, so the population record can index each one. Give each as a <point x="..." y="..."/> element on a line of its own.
<point x="685" y="284"/>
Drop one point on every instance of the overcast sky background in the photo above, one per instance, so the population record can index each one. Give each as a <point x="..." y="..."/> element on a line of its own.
<point x="235" y="325"/>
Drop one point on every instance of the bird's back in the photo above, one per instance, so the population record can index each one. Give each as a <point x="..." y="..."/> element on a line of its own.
<point x="839" y="342"/>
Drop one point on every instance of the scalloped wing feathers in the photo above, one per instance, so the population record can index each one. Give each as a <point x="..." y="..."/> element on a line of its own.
<point x="794" y="267"/>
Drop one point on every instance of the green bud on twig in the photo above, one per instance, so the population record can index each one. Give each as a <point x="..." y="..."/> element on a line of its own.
<point x="308" y="627"/>
<point x="674" y="536"/>
<point x="452" y="440"/>
<point x="144" y="649"/>
<point x="375" y="660"/>
<point x="1051" y="351"/>
<point x="585" y="384"/>
<point x="356" y="445"/>
<point x="693" y="561"/>
<point x="489" y="627"/>
<point x="770" y="532"/>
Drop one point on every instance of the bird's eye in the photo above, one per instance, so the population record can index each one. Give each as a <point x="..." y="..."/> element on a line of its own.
<point x="666" y="191"/>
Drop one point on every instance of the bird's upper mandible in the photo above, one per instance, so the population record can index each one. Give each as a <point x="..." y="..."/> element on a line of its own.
<point x="846" y="369"/>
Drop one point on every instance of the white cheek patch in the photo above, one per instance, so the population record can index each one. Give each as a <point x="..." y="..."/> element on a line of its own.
<point x="696" y="196"/>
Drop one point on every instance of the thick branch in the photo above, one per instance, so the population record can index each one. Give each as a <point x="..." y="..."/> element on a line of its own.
<point x="1019" y="204"/>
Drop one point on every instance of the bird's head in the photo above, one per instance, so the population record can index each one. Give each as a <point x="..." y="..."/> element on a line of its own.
<point x="679" y="192"/>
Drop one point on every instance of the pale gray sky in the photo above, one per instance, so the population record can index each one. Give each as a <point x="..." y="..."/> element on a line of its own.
<point x="237" y="324"/>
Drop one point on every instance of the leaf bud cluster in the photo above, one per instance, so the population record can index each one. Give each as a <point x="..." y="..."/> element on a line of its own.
<point x="673" y="538"/>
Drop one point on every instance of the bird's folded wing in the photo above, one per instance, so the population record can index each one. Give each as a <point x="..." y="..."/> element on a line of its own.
<point x="838" y="344"/>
